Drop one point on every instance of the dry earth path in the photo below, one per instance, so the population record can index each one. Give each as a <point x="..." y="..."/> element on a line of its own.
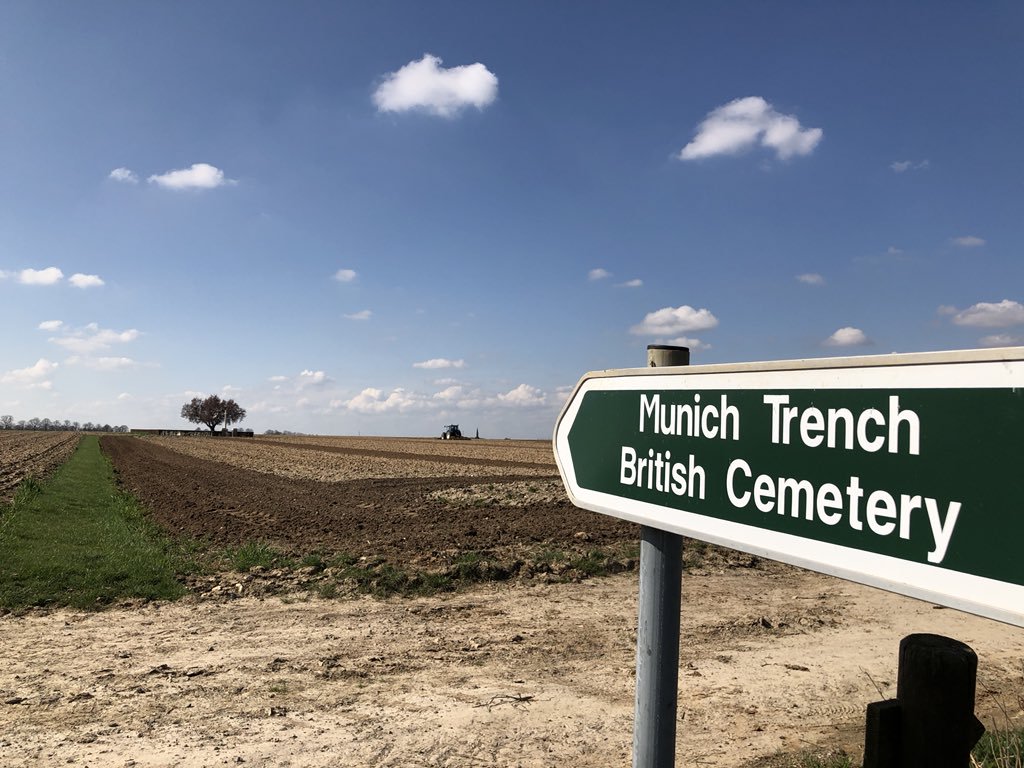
<point x="503" y="675"/>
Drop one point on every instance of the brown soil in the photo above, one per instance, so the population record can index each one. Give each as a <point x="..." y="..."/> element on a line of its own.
<point x="26" y="454"/>
<point x="512" y="675"/>
<point x="351" y="451"/>
<point x="402" y="520"/>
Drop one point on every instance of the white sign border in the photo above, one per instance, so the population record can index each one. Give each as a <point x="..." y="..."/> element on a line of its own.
<point x="980" y="369"/>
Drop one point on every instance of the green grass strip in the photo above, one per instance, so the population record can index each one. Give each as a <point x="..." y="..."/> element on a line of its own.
<point x="77" y="540"/>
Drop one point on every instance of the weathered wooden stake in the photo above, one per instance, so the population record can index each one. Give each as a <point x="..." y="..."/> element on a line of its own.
<point x="657" y="636"/>
<point x="931" y="723"/>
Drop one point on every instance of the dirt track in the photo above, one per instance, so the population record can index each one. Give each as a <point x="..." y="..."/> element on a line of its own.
<point x="512" y="675"/>
<point x="400" y="519"/>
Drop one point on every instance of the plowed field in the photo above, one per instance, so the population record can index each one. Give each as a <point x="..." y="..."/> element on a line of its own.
<point x="31" y="454"/>
<point x="413" y="502"/>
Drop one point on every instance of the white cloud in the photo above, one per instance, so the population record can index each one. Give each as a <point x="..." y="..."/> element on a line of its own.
<point x="125" y="175"/>
<point x="47" y="276"/>
<point x="345" y="275"/>
<point x="108" y="363"/>
<point x="1001" y="340"/>
<point x="744" y="123"/>
<point x="598" y="274"/>
<point x="668" y="321"/>
<point x="902" y="166"/>
<point x="847" y="337"/>
<point x="892" y="250"/>
<point x="523" y="396"/>
<point x="372" y="400"/>
<point x="449" y="394"/>
<point x="1002" y="314"/>
<point x="92" y="338"/>
<point x="685" y="341"/>
<point x="427" y="86"/>
<point x="278" y="378"/>
<point x="811" y="278"/>
<point x="308" y="378"/>
<point x="198" y="176"/>
<point x="363" y="314"/>
<point x="85" y="281"/>
<point x="440" y="362"/>
<point x="33" y="376"/>
<point x="969" y="241"/>
<point x="634" y="283"/>
<point x="945" y="309"/>
<point x="50" y="325"/>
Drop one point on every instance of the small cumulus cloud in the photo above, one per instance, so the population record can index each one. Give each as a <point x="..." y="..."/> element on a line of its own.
<point x="48" y="276"/>
<point x="345" y="275"/>
<point x="426" y="86"/>
<point x="847" y="337"/>
<point x="634" y="283"/>
<point x="692" y="344"/>
<point x="902" y="166"/>
<point x="34" y="377"/>
<point x="440" y="362"/>
<point x="50" y="325"/>
<point x="278" y="379"/>
<point x="198" y="176"/>
<point x="598" y="274"/>
<point x="745" y="123"/>
<point x="969" y="241"/>
<point x="450" y="394"/>
<point x="523" y="396"/>
<point x="124" y="175"/>
<point x="308" y="378"/>
<point x="811" y="278"/>
<point x="1001" y="340"/>
<point x="372" y="400"/>
<point x="105" y="363"/>
<point x="669" y="321"/>
<point x="363" y="314"/>
<point x="1001" y="314"/>
<point x="85" y="281"/>
<point x="92" y="338"/>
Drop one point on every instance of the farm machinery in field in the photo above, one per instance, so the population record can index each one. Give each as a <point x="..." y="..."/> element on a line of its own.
<point x="452" y="432"/>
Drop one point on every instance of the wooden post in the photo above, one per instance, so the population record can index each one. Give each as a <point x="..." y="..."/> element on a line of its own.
<point x="657" y="635"/>
<point x="935" y="689"/>
<point x="931" y="723"/>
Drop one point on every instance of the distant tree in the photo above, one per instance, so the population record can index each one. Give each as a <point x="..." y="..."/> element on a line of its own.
<point x="212" y="411"/>
<point x="6" y="421"/>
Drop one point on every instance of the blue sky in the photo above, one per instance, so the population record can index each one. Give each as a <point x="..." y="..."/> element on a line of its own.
<point x="386" y="217"/>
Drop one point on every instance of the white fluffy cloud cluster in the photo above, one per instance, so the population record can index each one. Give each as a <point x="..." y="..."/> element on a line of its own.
<point x="669" y="321"/>
<point x="52" y="276"/>
<point x="426" y="86"/>
<point x="847" y="337"/>
<point x="745" y="123"/>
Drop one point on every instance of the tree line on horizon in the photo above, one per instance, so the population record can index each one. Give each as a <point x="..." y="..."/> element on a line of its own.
<point x="36" y="424"/>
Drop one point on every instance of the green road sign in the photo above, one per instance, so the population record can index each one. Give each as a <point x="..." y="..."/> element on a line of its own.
<point x="905" y="472"/>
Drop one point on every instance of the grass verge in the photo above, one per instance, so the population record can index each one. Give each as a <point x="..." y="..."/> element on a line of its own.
<point x="77" y="540"/>
<point x="1002" y="748"/>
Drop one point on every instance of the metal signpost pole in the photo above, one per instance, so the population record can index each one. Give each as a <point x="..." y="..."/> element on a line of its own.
<point x="657" y="634"/>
